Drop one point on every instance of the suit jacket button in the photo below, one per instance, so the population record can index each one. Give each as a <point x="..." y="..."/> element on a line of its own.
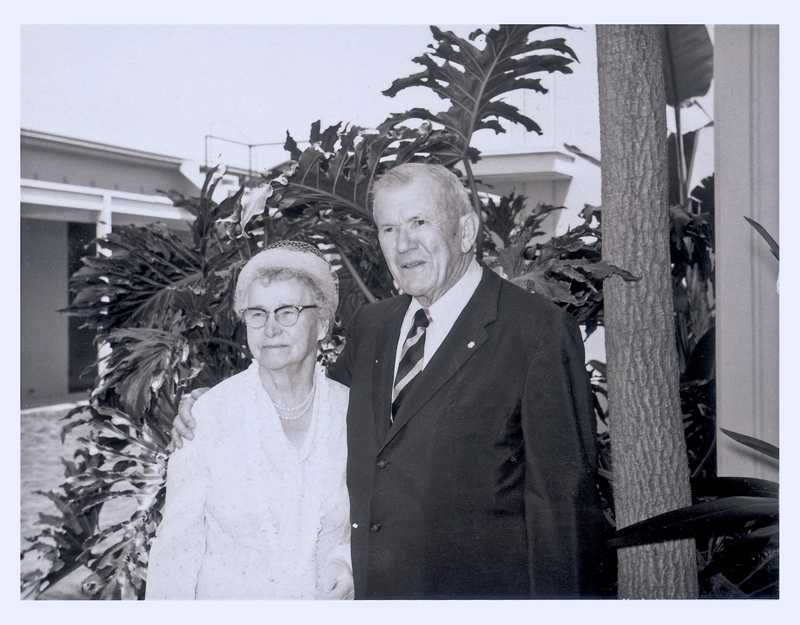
<point x="382" y="463"/>
<point x="375" y="527"/>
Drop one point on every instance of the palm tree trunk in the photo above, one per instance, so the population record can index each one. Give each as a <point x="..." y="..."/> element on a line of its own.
<point x="651" y="473"/>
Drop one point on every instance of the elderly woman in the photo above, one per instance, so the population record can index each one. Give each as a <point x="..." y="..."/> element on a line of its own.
<point x="257" y="506"/>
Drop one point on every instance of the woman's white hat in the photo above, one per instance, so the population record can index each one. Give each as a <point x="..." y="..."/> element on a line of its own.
<point x="293" y="255"/>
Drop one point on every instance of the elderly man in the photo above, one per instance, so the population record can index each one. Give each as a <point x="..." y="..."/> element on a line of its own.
<point x="471" y="434"/>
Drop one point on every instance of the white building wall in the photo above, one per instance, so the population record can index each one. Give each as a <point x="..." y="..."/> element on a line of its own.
<point x="747" y="168"/>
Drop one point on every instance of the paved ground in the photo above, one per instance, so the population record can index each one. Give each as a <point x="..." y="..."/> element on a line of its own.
<point x="41" y="468"/>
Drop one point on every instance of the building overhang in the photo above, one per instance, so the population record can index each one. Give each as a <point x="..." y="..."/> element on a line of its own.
<point x="81" y="147"/>
<point x="64" y="202"/>
<point x="532" y="166"/>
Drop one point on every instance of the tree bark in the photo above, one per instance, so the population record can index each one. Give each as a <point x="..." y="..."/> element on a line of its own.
<point x="651" y="472"/>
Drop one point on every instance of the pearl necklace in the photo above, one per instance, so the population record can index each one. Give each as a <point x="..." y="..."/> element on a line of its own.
<point x="304" y="405"/>
<point x="296" y="417"/>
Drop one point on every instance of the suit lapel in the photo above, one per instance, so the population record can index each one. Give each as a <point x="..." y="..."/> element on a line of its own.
<point x="463" y="340"/>
<point x="383" y="372"/>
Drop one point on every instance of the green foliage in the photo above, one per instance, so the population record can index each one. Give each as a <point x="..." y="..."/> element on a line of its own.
<point x="753" y="443"/>
<point x="162" y="303"/>
<point x="689" y="62"/>
<point x="734" y="521"/>
<point x="163" y="309"/>
<point x="773" y="246"/>
<point x="473" y="79"/>
<point x="567" y="269"/>
<point x="719" y="515"/>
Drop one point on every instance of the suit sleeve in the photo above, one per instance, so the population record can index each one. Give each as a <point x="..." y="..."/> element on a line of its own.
<point x="563" y="514"/>
<point x="342" y="369"/>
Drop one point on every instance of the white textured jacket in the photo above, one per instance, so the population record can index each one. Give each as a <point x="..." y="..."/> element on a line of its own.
<point x="247" y="515"/>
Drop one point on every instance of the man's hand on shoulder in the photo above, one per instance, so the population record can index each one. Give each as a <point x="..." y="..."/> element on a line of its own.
<point x="183" y="426"/>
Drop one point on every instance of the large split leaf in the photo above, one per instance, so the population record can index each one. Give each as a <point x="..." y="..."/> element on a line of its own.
<point x="337" y="169"/>
<point x="138" y="283"/>
<point x="142" y="359"/>
<point x="510" y="221"/>
<point x="474" y="81"/>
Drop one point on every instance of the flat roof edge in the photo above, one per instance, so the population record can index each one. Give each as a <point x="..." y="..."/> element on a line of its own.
<point x="36" y="137"/>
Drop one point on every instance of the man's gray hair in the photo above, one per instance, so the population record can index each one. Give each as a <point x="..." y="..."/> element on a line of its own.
<point x="449" y="192"/>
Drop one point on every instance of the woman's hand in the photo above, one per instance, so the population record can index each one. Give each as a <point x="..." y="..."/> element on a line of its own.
<point x="336" y="582"/>
<point x="184" y="424"/>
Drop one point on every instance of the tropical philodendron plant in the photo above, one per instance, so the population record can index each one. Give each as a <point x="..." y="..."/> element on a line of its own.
<point x="163" y="305"/>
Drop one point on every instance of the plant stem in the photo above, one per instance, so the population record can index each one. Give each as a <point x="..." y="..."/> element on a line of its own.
<point x="476" y="204"/>
<point x="705" y="458"/>
<point x="356" y="278"/>
<point x="224" y="342"/>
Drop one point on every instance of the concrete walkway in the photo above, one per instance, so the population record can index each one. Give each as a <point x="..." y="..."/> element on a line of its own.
<point x="58" y="402"/>
<point x="41" y="469"/>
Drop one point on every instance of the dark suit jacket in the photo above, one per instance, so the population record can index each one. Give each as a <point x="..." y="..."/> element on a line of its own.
<point x="484" y="485"/>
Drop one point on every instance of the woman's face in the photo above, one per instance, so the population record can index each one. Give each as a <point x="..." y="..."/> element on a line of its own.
<point x="275" y="346"/>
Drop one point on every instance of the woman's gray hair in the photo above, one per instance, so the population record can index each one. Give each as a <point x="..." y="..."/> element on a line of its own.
<point x="287" y="260"/>
<point x="449" y="192"/>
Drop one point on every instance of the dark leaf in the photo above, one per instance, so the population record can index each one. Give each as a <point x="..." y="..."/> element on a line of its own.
<point x="578" y="152"/>
<point x="773" y="246"/>
<point x="701" y="364"/>
<point x="602" y="270"/>
<point x="599" y="366"/>
<point x="473" y="80"/>
<point x="688" y="62"/>
<point x="753" y="443"/>
<point x="538" y="281"/>
<point x="733" y="486"/>
<point x="339" y="177"/>
<point x="718" y="517"/>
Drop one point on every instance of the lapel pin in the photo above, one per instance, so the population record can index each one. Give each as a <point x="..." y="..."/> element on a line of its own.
<point x="471" y="344"/>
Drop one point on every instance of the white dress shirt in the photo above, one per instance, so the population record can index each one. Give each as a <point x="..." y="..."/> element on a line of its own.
<point x="443" y="313"/>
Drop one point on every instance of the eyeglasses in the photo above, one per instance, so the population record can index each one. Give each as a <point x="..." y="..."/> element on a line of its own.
<point x="285" y="315"/>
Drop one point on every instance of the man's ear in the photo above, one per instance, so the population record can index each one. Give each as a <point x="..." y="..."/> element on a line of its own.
<point x="469" y="231"/>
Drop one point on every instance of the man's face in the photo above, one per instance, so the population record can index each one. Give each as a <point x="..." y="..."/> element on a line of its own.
<point x="427" y="249"/>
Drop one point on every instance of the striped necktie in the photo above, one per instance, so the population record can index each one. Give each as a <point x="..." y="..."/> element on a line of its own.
<point x="410" y="359"/>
